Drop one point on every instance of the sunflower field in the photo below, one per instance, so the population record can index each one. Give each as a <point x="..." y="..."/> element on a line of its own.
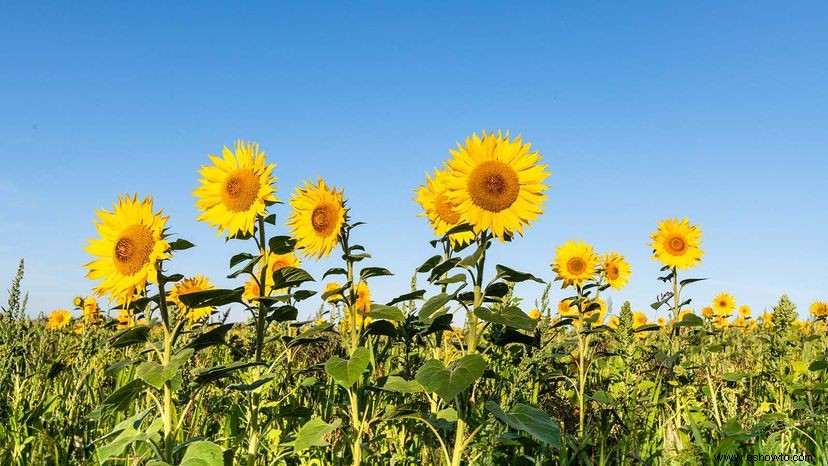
<point x="458" y="369"/>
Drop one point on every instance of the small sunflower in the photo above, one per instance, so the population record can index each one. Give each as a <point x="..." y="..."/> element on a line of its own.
<point x="724" y="304"/>
<point x="91" y="311"/>
<point x="767" y="319"/>
<point x="639" y="319"/>
<point x="661" y="321"/>
<point x="707" y="311"/>
<point x="79" y="328"/>
<point x="58" y="319"/>
<point x="616" y="269"/>
<point x="819" y="309"/>
<point x="720" y="322"/>
<point x="77" y="302"/>
<point x="235" y="189"/>
<point x="601" y="311"/>
<point x="363" y="298"/>
<point x="440" y="211"/>
<point x="745" y="311"/>
<point x="130" y="245"/>
<point x="125" y="319"/>
<point x="575" y="263"/>
<point x="676" y="243"/>
<point x="274" y="263"/>
<point x="318" y="215"/>
<point x="740" y="322"/>
<point x="496" y="184"/>
<point x="613" y="322"/>
<point x="187" y="286"/>
<point x="535" y="314"/>
<point x="566" y="309"/>
<point x="336" y="297"/>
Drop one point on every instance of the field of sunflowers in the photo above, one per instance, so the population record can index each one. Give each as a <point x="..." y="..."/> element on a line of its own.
<point x="459" y="369"/>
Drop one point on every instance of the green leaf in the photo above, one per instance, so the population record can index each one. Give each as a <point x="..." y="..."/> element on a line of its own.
<point x="120" y="399"/>
<point x="441" y="269"/>
<point x="688" y="281"/>
<point x="212" y="337"/>
<point x="225" y="370"/>
<point x="429" y="264"/>
<point x="282" y="244"/>
<point x="128" y="435"/>
<point x="407" y="297"/>
<point x="369" y="272"/>
<point x="203" y="453"/>
<point x="289" y="277"/>
<point x="511" y="316"/>
<point x="429" y="309"/>
<point x="511" y="275"/>
<point x="241" y="257"/>
<point x="347" y="371"/>
<point x="690" y="320"/>
<point x="131" y="336"/>
<point x="448" y="382"/>
<point x="603" y="397"/>
<point x="733" y="376"/>
<point x="311" y="434"/>
<point x="819" y="364"/>
<point x="211" y="298"/>
<point x="180" y="245"/>
<point x="531" y="420"/>
<point x="334" y="271"/>
<point x="155" y="375"/>
<point x="395" y="383"/>
<point x="380" y="311"/>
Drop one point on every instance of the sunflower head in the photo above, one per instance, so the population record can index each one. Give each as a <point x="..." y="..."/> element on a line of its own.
<point x="235" y="189"/>
<point x="91" y="311"/>
<point x="318" y="216"/>
<point x="363" y="297"/>
<point x="274" y="263"/>
<point x="745" y="311"/>
<point x="130" y="246"/>
<point x="616" y="270"/>
<point x="125" y="319"/>
<point x="639" y="319"/>
<point x="767" y="319"/>
<point x="676" y="243"/>
<point x="566" y="309"/>
<point x="575" y="263"/>
<point x="661" y="321"/>
<point x="334" y="297"/>
<point x="496" y="183"/>
<point x="740" y="322"/>
<point x="187" y="286"/>
<point x="724" y="304"/>
<point x="613" y="322"/>
<point x="439" y="209"/>
<point x="58" y="319"/>
<point x="535" y="314"/>
<point x="707" y="312"/>
<point x="77" y="302"/>
<point x="600" y="311"/>
<point x="819" y="309"/>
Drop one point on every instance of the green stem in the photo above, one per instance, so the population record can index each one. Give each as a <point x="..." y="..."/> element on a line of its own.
<point x="261" y="324"/>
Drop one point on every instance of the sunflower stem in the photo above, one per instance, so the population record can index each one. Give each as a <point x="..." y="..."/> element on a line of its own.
<point x="167" y="413"/>
<point x="261" y="322"/>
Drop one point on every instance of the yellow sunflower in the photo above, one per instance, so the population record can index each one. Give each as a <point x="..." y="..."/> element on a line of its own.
<point x="616" y="270"/>
<point x="676" y="243"/>
<point x="745" y="311"/>
<point x="740" y="322"/>
<point x="77" y="302"/>
<point x="639" y="319"/>
<point x="78" y="329"/>
<point x="440" y="211"/>
<point x="613" y="322"/>
<point x="684" y="313"/>
<point x="724" y="304"/>
<point x="332" y="286"/>
<point x="496" y="184"/>
<point x="58" y="319"/>
<point x="187" y="286"/>
<point x="363" y="298"/>
<point x="566" y="309"/>
<point x="235" y="189"/>
<point x="91" y="311"/>
<point x="575" y="263"/>
<point x="601" y="310"/>
<point x="767" y="319"/>
<point x="125" y="319"/>
<point x="274" y="263"/>
<point x="317" y="219"/>
<point x="707" y="311"/>
<point x="720" y="322"/>
<point x="819" y="309"/>
<point x="131" y="244"/>
<point x="535" y="314"/>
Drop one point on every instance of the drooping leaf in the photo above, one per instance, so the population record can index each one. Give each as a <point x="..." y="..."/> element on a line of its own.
<point x="312" y="434"/>
<point x="531" y="420"/>
<point x="448" y="382"/>
<point x="346" y="372"/>
<point x="203" y="453"/>
<point x="511" y="316"/>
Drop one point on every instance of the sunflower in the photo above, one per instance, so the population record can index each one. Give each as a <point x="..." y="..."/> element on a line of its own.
<point x="767" y="319"/>
<point x="440" y="211"/>
<point x="720" y="322"/>
<point x="125" y="319"/>
<point x="363" y="297"/>
<point x="740" y="322"/>
<point x="131" y="244"/>
<point x="187" y="286"/>
<point x="819" y="309"/>
<point x="616" y="269"/>
<point x="575" y="263"/>
<point x="77" y="302"/>
<point x="724" y="304"/>
<point x="707" y="311"/>
<point x="676" y="243"/>
<point x="274" y="263"/>
<point x="235" y="189"/>
<point x="79" y="328"/>
<point x="496" y="184"/>
<point x="91" y="311"/>
<point x="333" y="298"/>
<point x="639" y="319"/>
<point x="317" y="219"/>
<point x="601" y="311"/>
<point x="566" y="309"/>
<point x="535" y="314"/>
<point x="58" y="319"/>
<point x="661" y="321"/>
<point x="745" y="311"/>
<point x="613" y="322"/>
<point x="684" y="313"/>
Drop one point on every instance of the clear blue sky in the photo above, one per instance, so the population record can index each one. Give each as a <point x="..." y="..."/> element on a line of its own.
<point x="643" y="110"/>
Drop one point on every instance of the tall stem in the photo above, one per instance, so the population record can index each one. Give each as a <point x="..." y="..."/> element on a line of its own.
<point x="261" y="323"/>
<point x="167" y="414"/>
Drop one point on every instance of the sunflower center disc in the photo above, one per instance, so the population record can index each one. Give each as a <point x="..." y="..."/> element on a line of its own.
<point x="323" y="219"/>
<point x="240" y="190"/>
<point x="613" y="272"/>
<point x="445" y="209"/>
<point x="132" y="249"/>
<point x="677" y="245"/>
<point x="493" y="186"/>
<point x="576" y="266"/>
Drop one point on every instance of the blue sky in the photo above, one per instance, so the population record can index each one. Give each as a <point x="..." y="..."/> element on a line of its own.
<point x="643" y="110"/>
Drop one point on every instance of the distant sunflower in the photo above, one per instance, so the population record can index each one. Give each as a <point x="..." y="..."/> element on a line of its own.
<point x="724" y="304"/>
<point x="616" y="270"/>
<point x="535" y="314"/>
<point x="707" y="311"/>
<point x="496" y="184"/>
<point x="575" y="263"/>
<point x="740" y="322"/>
<point x="639" y="319"/>
<point x="58" y="319"/>
<point x="333" y="298"/>
<point x="125" y="319"/>
<point x="317" y="219"/>
<point x="274" y="263"/>
<point x="187" y="286"/>
<point x="235" y="189"/>
<point x="363" y="298"/>
<point x="91" y="311"/>
<point x="767" y="319"/>
<point x="440" y="211"/>
<point x="566" y="309"/>
<point x="745" y="311"/>
<point x="661" y="321"/>
<point x="601" y="311"/>
<point x="131" y="244"/>
<point x="819" y="309"/>
<point x="613" y="322"/>
<point x="676" y="243"/>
